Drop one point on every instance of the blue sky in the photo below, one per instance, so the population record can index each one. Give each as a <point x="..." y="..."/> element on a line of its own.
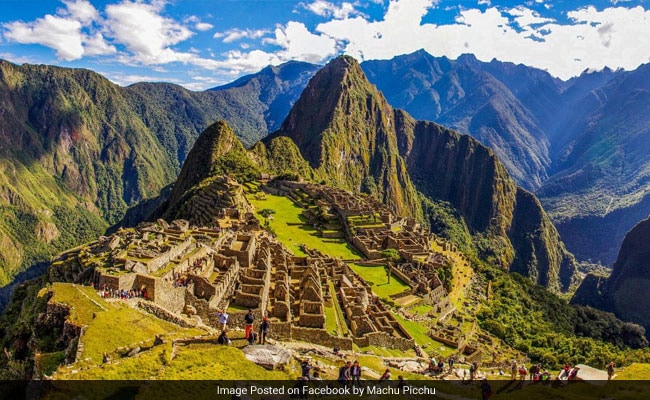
<point x="205" y="43"/>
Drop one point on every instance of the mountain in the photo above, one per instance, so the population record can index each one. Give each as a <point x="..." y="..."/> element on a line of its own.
<point x="579" y="145"/>
<point x="77" y="150"/>
<point x="502" y="105"/>
<point x="599" y="187"/>
<point x="349" y="137"/>
<point x="272" y="91"/>
<point x="622" y="293"/>
<point x="347" y="132"/>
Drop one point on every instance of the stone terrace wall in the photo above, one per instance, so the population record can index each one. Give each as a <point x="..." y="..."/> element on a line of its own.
<point x="320" y="336"/>
<point x="164" y="259"/>
<point x="163" y="314"/>
<point x="169" y="297"/>
<point x="381" y="339"/>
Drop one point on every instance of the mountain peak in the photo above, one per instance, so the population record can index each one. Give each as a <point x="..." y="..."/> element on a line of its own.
<point x="215" y="141"/>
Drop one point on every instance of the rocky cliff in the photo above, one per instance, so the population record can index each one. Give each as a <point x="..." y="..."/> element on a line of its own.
<point x="631" y="277"/>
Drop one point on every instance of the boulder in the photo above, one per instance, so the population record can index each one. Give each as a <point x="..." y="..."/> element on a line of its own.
<point x="140" y="268"/>
<point x="134" y="351"/>
<point x="268" y="356"/>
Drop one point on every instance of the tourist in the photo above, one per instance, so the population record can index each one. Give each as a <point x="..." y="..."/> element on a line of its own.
<point x="401" y="382"/>
<point x="344" y="373"/>
<point x="533" y="371"/>
<point x="565" y="372"/>
<point x="451" y="362"/>
<point x="472" y="371"/>
<point x="486" y="389"/>
<point x="223" y="319"/>
<point x="223" y="338"/>
<point x="355" y="373"/>
<point x="522" y="372"/>
<point x="610" y="370"/>
<point x="513" y="370"/>
<point x="265" y="328"/>
<point x="306" y="368"/>
<point x="252" y="338"/>
<point x="385" y="376"/>
<point x="316" y="376"/>
<point x="248" y="323"/>
<point x="573" y="375"/>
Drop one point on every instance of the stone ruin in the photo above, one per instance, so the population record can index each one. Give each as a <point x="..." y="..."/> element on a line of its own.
<point x="233" y="264"/>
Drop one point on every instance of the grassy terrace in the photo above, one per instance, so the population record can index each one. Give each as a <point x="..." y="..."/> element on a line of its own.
<point x="292" y="230"/>
<point x="376" y="276"/>
<point x="110" y="324"/>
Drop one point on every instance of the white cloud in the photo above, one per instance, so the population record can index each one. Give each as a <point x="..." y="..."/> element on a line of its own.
<point x="329" y="10"/>
<point x="203" y="26"/>
<point x="234" y="35"/>
<point x="622" y="41"/>
<point x="80" y="10"/>
<point x="61" y="34"/>
<point x="144" y="31"/>
<point x="96" y="45"/>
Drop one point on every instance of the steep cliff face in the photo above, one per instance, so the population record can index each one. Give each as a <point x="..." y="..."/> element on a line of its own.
<point x="539" y="252"/>
<point x="345" y="129"/>
<point x="509" y="223"/>
<point x="630" y="278"/>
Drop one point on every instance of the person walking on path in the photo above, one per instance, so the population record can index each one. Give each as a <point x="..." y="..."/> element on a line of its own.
<point x="249" y="319"/>
<point x="610" y="370"/>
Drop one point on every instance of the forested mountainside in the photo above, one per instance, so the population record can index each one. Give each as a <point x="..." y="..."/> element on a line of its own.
<point x="77" y="150"/>
<point x="623" y="292"/>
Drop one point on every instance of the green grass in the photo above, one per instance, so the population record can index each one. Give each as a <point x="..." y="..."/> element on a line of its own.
<point x="342" y="327"/>
<point x="111" y="325"/>
<point x="292" y="231"/>
<point x="376" y="275"/>
<point x="634" y="371"/>
<point x="78" y="297"/>
<point x="330" y="321"/>
<point x="421" y="309"/>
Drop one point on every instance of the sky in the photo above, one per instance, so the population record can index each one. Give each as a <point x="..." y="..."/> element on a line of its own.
<point x="201" y="44"/>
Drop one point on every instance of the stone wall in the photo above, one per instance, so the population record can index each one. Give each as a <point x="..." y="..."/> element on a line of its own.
<point x="202" y="288"/>
<point x="169" y="297"/>
<point x="158" y="262"/>
<point x="163" y="314"/>
<point x="109" y="281"/>
<point x="320" y="336"/>
<point x="381" y="339"/>
<point x="148" y="282"/>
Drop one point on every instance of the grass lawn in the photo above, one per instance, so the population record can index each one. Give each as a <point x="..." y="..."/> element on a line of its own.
<point x="111" y="325"/>
<point x="292" y="231"/>
<point x="377" y="277"/>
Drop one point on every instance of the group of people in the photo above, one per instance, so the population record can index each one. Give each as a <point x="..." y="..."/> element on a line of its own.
<point x="110" y="293"/>
<point x="350" y="373"/>
<point x="535" y="373"/>
<point x="249" y="331"/>
<point x="439" y="367"/>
